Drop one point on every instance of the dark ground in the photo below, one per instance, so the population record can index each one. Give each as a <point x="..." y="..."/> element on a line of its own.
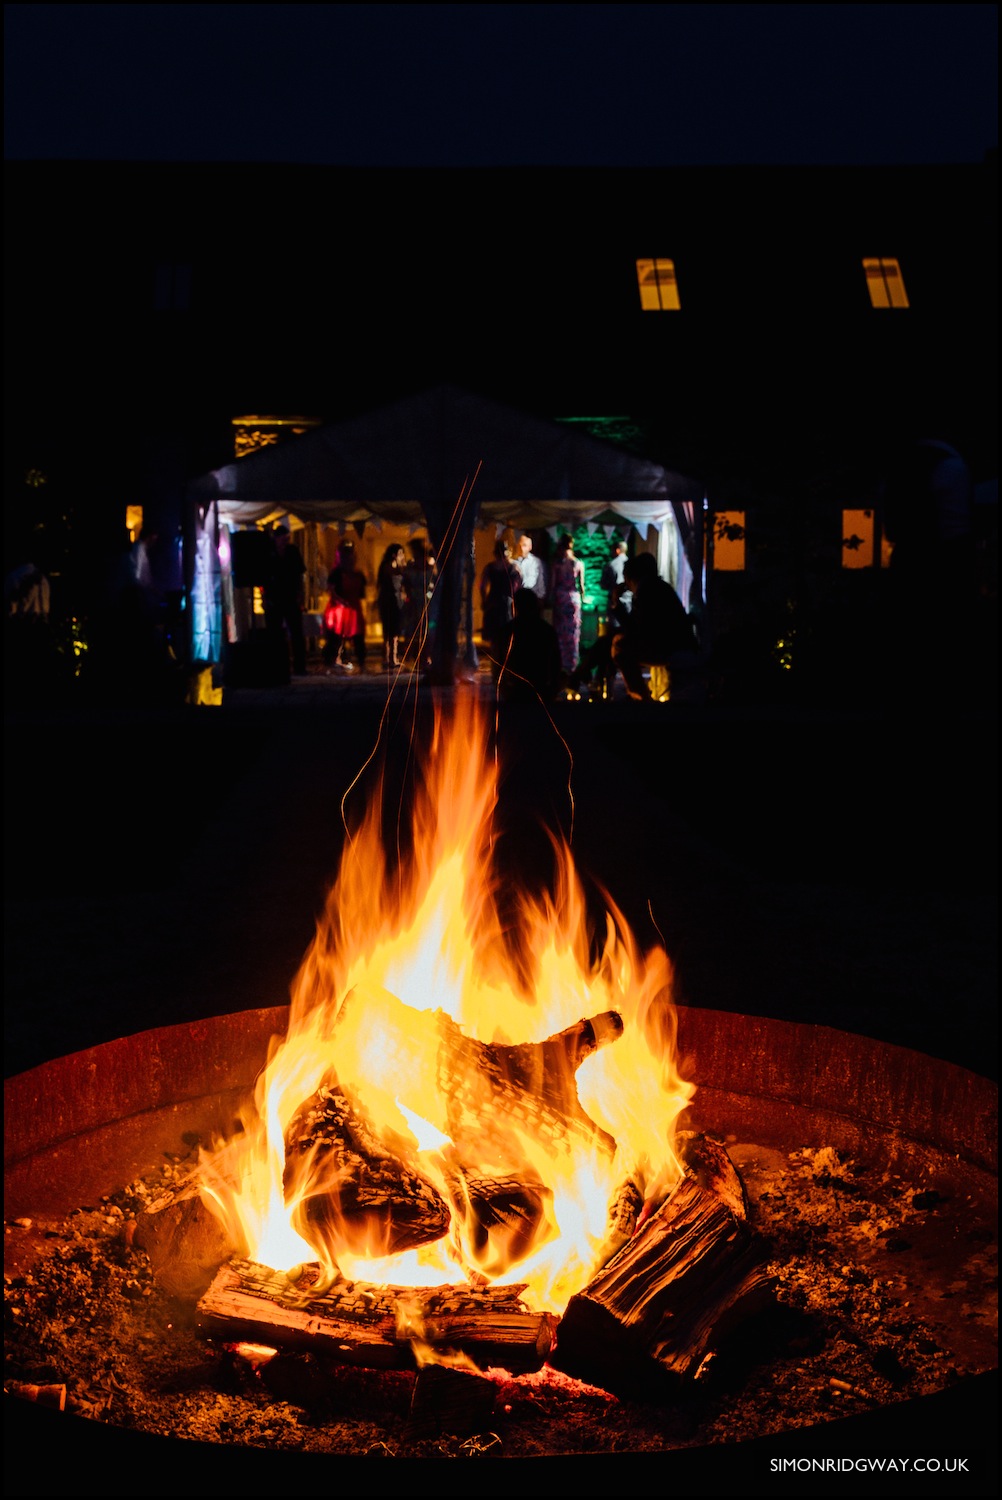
<point x="830" y="867"/>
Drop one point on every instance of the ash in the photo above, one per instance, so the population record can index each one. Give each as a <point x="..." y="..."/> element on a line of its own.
<point x="887" y="1283"/>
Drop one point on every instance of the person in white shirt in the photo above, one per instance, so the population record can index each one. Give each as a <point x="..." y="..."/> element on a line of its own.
<point x="529" y="566"/>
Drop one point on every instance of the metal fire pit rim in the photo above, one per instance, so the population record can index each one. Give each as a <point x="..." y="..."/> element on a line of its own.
<point x="761" y="1058"/>
<point x="190" y="1076"/>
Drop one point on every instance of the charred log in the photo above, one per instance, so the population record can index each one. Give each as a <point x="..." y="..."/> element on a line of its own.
<point x="669" y="1298"/>
<point x="624" y="1214"/>
<point x="529" y="1087"/>
<point x="364" y="1195"/>
<point x="496" y="1219"/>
<point x="707" y="1160"/>
<point x="356" y="1324"/>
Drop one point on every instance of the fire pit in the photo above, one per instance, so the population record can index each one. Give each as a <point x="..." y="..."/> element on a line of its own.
<point x="797" y="1104"/>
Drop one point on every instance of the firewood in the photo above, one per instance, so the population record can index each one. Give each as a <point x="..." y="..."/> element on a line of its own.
<point x="185" y="1242"/>
<point x="528" y="1087"/>
<point x="43" y="1395"/>
<point x="496" y="1218"/>
<point x="624" y="1213"/>
<point x="707" y="1160"/>
<point x="362" y="1194"/>
<point x="375" y="1326"/>
<point x="669" y="1297"/>
<point x="447" y="1399"/>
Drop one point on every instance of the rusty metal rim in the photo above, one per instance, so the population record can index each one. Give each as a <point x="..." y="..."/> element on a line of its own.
<point x="75" y="1124"/>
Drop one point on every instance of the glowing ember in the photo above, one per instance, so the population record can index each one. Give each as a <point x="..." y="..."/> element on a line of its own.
<point x="439" y="1111"/>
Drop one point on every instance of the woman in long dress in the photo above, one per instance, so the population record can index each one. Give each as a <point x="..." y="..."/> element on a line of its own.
<point x="390" y="597"/>
<point x="567" y="596"/>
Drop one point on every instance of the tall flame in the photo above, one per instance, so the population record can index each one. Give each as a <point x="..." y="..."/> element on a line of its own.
<point x="509" y="1082"/>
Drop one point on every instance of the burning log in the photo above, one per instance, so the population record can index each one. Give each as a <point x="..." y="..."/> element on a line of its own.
<point x="361" y="1193"/>
<point x="374" y="1326"/>
<point x="364" y="1188"/>
<point x="691" y="1273"/>
<point x="529" y="1086"/>
<point x="624" y="1213"/>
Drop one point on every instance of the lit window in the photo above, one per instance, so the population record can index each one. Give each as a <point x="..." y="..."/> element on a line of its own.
<point x="133" y="521"/>
<point x="658" y="286"/>
<point x="729" y="541"/>
<point x="885" y="283"/>
<point x="858" y="532"/>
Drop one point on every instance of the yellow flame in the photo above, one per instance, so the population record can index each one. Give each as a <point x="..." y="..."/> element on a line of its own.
<point x="402" y="1013"/>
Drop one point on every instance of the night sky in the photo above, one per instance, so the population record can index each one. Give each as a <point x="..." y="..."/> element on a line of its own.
<point x="507" y="85"/>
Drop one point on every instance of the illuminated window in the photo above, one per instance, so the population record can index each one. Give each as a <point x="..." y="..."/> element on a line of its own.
<point x="729" y="541"/>
<point x="858" y="536"/>
<point x="658" y="286"/>
<point x="885" y="284"/>
<point x="133" y="521"/>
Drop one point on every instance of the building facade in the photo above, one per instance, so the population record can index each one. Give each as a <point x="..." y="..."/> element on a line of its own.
<point x="774" y="331"/>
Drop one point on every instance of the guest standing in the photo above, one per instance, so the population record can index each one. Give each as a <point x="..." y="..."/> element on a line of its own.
<point x="391" y="597"/>
<point x="567" y="597"/>
<point x="419" y="582"/>
<point x="613" y="580"/>
<point x="499" y="583"/>
<point x="283" y="596"/>
<point x="345" y="616"/>
<point x="531" y="570"/>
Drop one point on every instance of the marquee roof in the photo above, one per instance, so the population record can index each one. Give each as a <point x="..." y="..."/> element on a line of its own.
<point x="421" y="454"/>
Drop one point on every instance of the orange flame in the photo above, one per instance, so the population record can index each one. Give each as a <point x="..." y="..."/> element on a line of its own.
<point x="454" y="1100"/>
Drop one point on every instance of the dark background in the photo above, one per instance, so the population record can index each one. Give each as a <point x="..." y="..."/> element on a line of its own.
<point x="502" y="85"/>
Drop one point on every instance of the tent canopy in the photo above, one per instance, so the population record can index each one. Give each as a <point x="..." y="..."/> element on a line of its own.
<point x="449" y="459"/>
<point x="415" y="458"/>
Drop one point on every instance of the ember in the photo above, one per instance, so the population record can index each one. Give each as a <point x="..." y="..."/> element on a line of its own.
<point x="857" y="1326"/>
